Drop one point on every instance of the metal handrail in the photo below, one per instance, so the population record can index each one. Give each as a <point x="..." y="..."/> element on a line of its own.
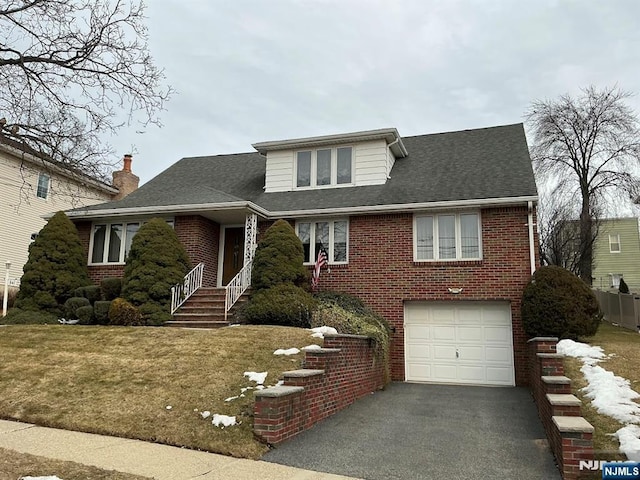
<point x="237" y="287"/>
<point x="181" y="292"/>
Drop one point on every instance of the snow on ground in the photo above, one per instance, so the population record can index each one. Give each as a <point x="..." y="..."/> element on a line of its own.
<point x="312" y="347"/>
<point x="288" y="351"/>
<point x="224" y="420"/>
<point x="610" y="394"/>
<point x="259" y="378"/>
<point x="320" y="332"/>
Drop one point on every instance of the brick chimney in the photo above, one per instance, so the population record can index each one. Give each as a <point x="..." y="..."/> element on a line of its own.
<point x="124" y="180"/>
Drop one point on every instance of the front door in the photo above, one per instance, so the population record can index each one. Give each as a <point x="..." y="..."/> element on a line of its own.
<point x="233" y="256"/>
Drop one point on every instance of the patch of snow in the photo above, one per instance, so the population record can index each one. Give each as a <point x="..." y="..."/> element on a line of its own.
<point x="320" y="332"/>
<point x="260" y="387"/>
<point x="290" y="351"/>
<point x="224" y="420"/>
<point x="259" y="378"/>
<point x="53" y="477"/>
<point x="168" y="407"/>
<point x="313" y="346"/>
<point x="587" y="353"/>
<point x="279" y="383"/>
<point x="67" y="322"/>
<point x="629" y="441"/>
<point x="205" y="414"/>
<point x="234" y="325"/>
<point x="244" y="389"/>
<point x="231" y="398"/>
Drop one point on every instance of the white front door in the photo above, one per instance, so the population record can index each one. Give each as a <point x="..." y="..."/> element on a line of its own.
<point x="459" y="343"/>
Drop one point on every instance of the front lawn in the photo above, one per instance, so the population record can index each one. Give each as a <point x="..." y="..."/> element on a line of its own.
<point x="625" y="346"/>
<point x="145" y="383"/>
<point x="17" y="465"/>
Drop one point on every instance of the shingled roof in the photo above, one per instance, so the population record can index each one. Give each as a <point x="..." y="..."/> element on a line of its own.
<point x="479" y="164"/>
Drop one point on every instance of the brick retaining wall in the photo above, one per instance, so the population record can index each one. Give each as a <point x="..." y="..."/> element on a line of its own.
<point x="333" y="377"/>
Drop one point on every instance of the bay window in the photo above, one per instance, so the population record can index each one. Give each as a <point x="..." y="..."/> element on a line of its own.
<point x="111" y="241"/>
<point x="332" y="235"/>
<point x="447" y="237"/>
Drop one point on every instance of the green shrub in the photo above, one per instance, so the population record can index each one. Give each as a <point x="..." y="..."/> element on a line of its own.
<point x="623" y="287"/>
<point x="56" y="266"/>
<point x="101" y="312"/>
<point x="122" y="312"/>
<point x="72" y="305"/>
<point x="16" y="316"/>
<point x="347" y="314"/>
<point x="557" y="303"/>
<point x="85" y="315"/>
<point x="156" y="262"/>
<point x="279" y="259"/>
<point x="284" y="304"/>
<point x="111" y="288"/>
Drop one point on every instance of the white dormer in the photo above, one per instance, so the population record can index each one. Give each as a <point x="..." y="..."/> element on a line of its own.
<point x="330" y="161"/>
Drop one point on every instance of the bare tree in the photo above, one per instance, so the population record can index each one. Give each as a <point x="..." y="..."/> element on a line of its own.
<point x="72" y="71"/>
<point x="589" y="149"/>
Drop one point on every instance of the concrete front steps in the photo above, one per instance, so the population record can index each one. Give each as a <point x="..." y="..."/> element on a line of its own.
<point x="205" y="309"/>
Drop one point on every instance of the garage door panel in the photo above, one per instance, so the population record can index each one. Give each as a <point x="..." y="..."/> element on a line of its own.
<point x="444" y="352"/>
<point x="470" y="333"/>
<point x="471" y="353"/>
<point x="418" y="332"/>
<point x="441" y="332"/>
<point x="418" y="352"/>
<point x="480" y="332"/>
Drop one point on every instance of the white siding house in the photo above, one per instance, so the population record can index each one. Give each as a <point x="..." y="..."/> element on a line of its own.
<point x="30" y="189"/>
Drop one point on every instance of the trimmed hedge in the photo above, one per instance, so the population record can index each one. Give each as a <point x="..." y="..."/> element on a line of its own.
<point x="284" y="304"/>
<point x="122" y="312"/>
<point x="73" y="304"/>
<point x="111" y="288"/>
<point x="557" y="303"/>
<point x="101" y="312"/>
<point x="17" y="316"/>
<point x="85" y="315"/>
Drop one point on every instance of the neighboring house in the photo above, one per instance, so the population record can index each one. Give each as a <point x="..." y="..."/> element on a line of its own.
<point x="31" y="188"/>
<point x="435" y="232"/>
<point x="616" y="254"/>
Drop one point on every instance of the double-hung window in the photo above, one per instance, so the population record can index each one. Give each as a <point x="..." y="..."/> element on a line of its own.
<point x="332" y="235"/>
<point x="614" y="243"/>
<point x="324" y="167"/>
<point x="447" y="236"/>
<point x="43" y="185"/>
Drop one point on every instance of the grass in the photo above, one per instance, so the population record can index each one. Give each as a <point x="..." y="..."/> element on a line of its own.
<point x="15" y="465"/>
<point x="625" y="344"/>
<point x="120" y="380"/>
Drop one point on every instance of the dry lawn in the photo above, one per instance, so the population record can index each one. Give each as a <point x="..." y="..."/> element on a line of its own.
<point x="120" y="380"/>
<point x="14" y="465"/>
<point x="625" y="345"/>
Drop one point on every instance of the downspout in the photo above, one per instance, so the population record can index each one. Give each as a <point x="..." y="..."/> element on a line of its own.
<point x="532" y="245"/>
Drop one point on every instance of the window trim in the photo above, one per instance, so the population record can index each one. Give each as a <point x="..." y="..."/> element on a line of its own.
<point x="313" y="178"/>
<point x="42" y="175"/>
<point x="613" y="277"/>
<point x="123" y="240"/>
<point x="330" y="251"/>
<point x="619" y="250"/>
<point x="436" y="252"/>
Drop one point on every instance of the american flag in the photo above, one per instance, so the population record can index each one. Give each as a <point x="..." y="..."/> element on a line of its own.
<point x="321" y="261"/>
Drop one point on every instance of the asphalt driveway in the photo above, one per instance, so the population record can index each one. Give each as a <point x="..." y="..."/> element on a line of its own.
<point x="416" y="431"/>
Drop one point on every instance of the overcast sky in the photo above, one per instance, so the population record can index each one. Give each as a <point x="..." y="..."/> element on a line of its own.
<point x="251" y="71"/>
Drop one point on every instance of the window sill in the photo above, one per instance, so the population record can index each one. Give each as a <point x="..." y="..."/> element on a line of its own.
<point x="448" y="263"/>
<point x="330" y="265"/>
<point x="323" y="187"/>
<point x="115" y="264"/>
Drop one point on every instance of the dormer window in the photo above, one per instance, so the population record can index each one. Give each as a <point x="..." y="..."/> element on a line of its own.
<point x="324" y="167"/>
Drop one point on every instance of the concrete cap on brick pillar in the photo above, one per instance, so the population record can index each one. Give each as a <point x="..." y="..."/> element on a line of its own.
<point x="572" y="424"/>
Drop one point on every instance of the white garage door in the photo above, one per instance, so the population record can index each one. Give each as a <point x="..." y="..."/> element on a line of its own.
<point x="459" y="342"/>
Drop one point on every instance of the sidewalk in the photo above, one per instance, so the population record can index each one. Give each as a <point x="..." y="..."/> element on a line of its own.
<point x="161" y="462"/>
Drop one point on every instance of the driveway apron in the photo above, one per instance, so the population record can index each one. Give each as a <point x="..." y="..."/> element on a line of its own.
<point x="419" y="431"/>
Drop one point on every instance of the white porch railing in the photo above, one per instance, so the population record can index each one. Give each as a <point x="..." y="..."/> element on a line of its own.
<point x="237" y="287"/>
<point x="180" y="292"/>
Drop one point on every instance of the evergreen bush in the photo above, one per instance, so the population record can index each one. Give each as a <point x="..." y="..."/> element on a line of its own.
<point x="57" y="265"/>
<point x="284" y="304"/>
<point x="85" y="315"/>
<point x="122" y="312"/>
<point x="279" y="259"/>
<point x="17" y="316"/>
<point x="557" y="303"/>
<point x="72" y="305"/>
<point x="101" y="312"/>
<point x="623" y="287"/>
<point x="157" y="261"/>
<point x="111" y="288"/>
<point x="90" y="292"/>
